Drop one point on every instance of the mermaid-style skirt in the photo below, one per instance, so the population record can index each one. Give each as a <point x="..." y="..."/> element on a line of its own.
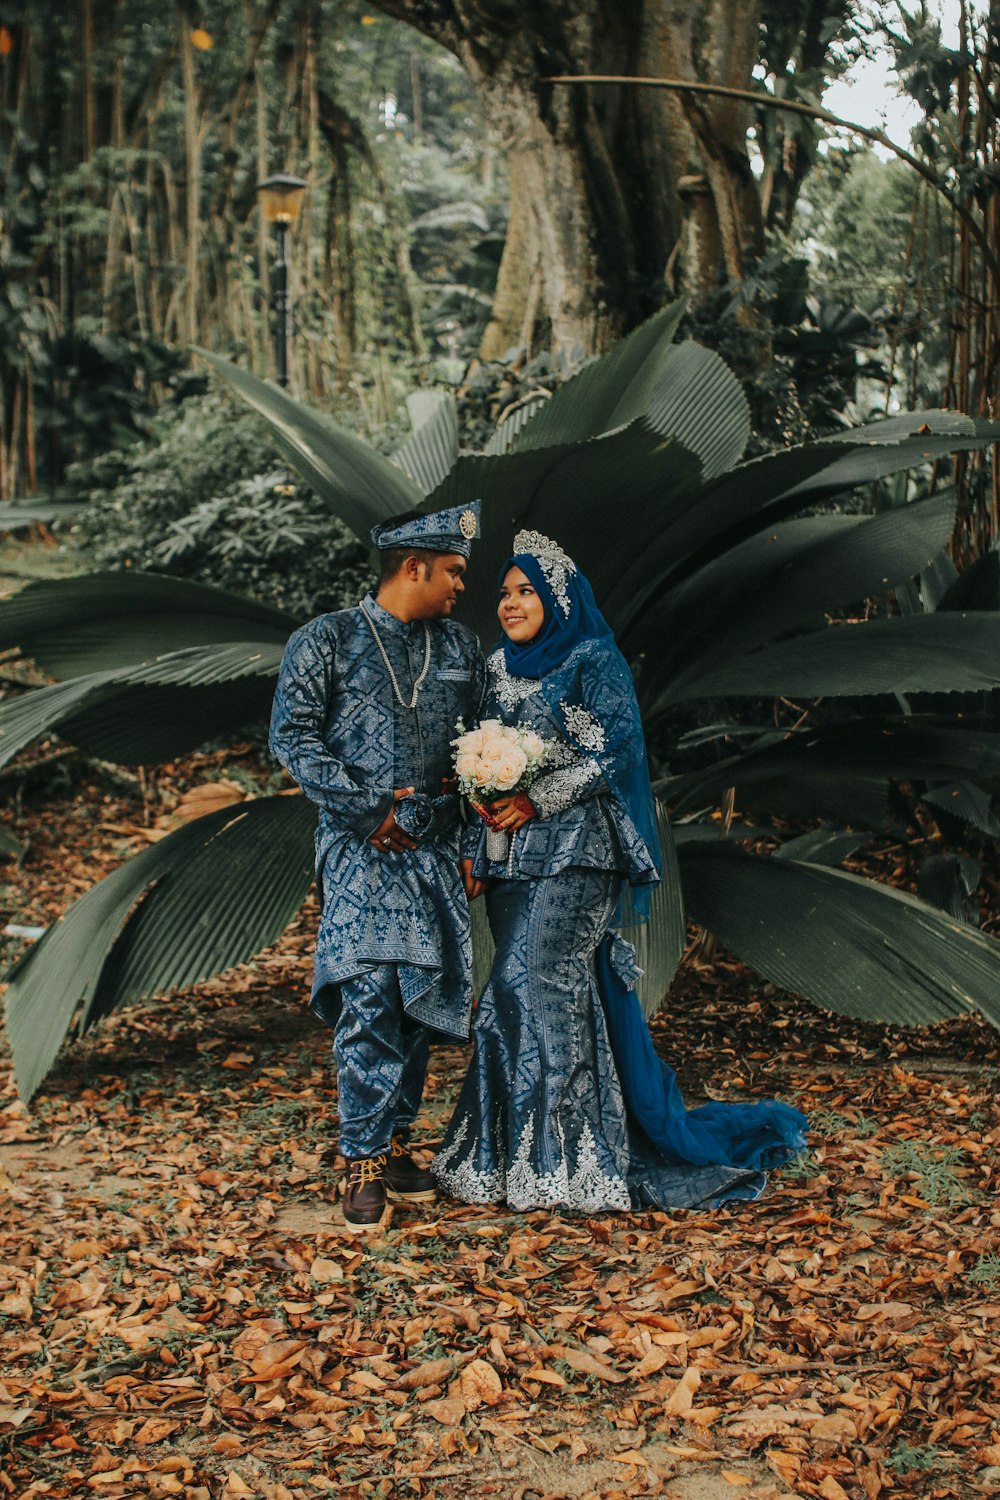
<point x="542" y="1120"/>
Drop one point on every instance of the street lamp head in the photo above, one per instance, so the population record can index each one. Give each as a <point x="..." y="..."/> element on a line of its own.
<point x="281" y="197"/>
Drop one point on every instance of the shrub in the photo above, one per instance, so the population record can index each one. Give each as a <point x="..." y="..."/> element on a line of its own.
<point x="205" y="501"/>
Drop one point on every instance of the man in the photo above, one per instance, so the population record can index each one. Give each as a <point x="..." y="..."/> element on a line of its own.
<point x="364" y="715"/>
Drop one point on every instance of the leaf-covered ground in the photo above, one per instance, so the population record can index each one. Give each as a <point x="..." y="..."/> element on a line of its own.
<point x="181" y="1312"/>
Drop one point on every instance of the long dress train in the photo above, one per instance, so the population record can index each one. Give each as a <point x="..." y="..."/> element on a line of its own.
<point x="542" y="1120"/>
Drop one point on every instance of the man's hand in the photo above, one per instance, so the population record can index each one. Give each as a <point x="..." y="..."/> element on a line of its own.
<point x="473" y="887"/>
<point x="512" y="812"/>
<point x="387" y="838"/>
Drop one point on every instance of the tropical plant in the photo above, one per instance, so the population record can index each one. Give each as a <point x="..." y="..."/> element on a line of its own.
<point x="723" y="581"/>
<point x="206" y="501"/>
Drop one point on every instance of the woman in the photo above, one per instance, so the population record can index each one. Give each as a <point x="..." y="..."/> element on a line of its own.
<point x="556" y="1111"/>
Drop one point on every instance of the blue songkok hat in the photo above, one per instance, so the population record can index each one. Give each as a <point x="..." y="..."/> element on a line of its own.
<point x="452" y="530"/>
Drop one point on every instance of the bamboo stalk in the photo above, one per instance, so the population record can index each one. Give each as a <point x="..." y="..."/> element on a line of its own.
<point x="6" y="493"/>
<point x="416" y="90"/>
<point x="89" y="113"/>
<point x="171" y="214"/>
<point x="13" y="466"/>
<point x="155" y="324"/>
<point x="117" y="109"/>
<point x="193" y="175"/>
<point x="111" y="261"/>
<point x="29" y="433"/>
<point x="267" y="352"/>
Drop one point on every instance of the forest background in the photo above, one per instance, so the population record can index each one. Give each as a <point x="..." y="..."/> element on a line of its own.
<point x="460" y="208"/>
<point x="472" y="226"/>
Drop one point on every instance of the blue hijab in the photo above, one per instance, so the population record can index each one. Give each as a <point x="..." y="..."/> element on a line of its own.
<point x="561" y="632"/>
<point x="572" y="617"/>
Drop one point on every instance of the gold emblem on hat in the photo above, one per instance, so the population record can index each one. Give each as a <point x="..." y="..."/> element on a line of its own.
<point x="467" y="524"/>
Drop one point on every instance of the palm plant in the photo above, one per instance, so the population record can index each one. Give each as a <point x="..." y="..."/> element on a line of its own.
<point x="721" y="579"/>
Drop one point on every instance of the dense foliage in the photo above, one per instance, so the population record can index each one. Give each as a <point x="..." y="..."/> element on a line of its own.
<point x="135" y="228"/>
<point x="134" y="233"/>
<point x="208" y="502"/>
<point x="724" y="580"/>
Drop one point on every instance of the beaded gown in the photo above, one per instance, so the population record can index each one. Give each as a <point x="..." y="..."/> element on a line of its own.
<point x="542" y="1119"/>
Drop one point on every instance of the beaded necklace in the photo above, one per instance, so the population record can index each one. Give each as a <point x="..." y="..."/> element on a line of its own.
<point x="418" y="684"/>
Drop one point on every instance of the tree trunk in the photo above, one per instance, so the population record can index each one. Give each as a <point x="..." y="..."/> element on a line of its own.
<point x="616" y="193"/>
<point x="550" y="234"/>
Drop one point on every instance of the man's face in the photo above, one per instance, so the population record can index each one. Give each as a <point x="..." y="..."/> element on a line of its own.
<point x="438" y="585"/>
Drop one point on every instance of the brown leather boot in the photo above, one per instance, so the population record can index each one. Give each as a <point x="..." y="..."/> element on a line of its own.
<point x="404" y="1179"/>
<point x="366" y="1206"/>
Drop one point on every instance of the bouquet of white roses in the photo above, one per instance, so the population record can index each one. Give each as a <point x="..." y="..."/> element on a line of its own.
<point x="496" y="759"/>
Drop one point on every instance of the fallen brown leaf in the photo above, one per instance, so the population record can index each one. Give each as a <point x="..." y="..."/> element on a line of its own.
<point x="681" y="1398"/>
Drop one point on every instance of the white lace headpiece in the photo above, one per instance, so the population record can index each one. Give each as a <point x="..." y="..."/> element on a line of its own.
<point x="555" y="564"/>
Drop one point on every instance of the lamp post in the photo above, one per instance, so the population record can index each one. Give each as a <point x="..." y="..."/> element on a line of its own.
<point x="280" y="200"/>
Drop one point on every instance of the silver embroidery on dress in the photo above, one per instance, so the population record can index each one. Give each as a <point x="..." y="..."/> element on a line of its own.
<point x="588" y="1188"/>
<point x="560" y="789"/>
<point x="510" y="691"/>
<point x="583" y="726"/>
<point x="527" y="1188"/>
<point x="562" y="753"/>
<point x="463" y="1181"/>
<point x="555" y="564"/>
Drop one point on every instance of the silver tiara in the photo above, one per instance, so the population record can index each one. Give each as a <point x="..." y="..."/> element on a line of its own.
<point x="553" y="561"/>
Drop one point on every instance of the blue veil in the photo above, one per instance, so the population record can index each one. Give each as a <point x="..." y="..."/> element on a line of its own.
<point x="572" y="617"/>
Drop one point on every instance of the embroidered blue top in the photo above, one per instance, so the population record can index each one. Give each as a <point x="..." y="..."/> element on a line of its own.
<point x="584" y="707"/>
<point x="340" y="731"/>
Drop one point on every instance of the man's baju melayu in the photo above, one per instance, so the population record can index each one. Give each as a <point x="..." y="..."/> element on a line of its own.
<point x="393" y="949"/>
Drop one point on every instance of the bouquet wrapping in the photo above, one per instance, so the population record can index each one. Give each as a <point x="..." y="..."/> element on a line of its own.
<point x="494" y="759"/>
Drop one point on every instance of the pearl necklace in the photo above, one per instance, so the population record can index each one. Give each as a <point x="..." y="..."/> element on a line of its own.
<point x="388" y="664"/>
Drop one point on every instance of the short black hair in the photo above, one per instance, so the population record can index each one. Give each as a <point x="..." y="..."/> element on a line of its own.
<point x="391" y="559"/>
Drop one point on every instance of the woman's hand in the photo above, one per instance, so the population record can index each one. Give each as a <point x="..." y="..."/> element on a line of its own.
<point x="512" y="812"/>
<point x="473" y="886"/>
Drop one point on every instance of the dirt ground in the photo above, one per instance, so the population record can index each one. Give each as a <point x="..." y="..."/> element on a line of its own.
<point x="182" y="1313"/>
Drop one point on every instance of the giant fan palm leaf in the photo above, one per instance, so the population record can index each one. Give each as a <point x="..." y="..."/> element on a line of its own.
<point x="721" y="581"/>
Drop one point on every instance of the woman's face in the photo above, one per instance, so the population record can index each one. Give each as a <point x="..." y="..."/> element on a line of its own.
<point x="520" y="610"/>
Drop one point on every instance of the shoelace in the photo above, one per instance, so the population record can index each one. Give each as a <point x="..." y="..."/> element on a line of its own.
<point x="398" y="1149"/>
<point x="368" y="1170"/>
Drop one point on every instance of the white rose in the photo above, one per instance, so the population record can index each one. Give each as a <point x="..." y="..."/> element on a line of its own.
<point x="494" y="750"/>
<point x="489" y="727"/>
<point x="470" y="743"/>
<point x="509" y="733"/>
<point x="509" y="770"/>
<point x="465" y="765"/>
<point x="532" y="743"/>
<point x="483" y="774"/>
